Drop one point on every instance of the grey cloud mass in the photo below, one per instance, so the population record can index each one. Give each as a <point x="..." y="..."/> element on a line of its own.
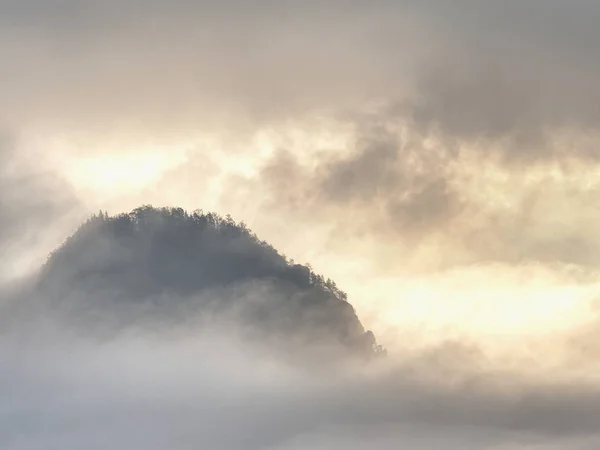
<point x="179" y="389"/>
<point x="186" y="391"/>
<point x="473" y="69"/>
<point x="514" y="81"/>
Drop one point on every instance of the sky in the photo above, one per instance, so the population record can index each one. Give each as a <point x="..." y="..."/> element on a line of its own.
<point x="437" y="159"/>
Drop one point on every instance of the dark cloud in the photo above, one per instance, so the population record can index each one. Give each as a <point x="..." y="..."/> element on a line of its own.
<point x="408" y="186"/>
<point x="364" y="175"/>
<point x="512" y="70"/>
<point x="179" y="67"/>
<point x="383" y="180"/>
<point x="490" y="101"/>
<point x="470" y="71"/>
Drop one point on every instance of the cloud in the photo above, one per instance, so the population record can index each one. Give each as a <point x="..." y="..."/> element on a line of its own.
<point x="513" y="71"/>
<point x="468" y="138"/>
<point x="390" y="183"/>
<point x="458" y="91"/>
<point x="468" y="70"/>
<point x="154" y="391"/>
<point x="32" y="202"/>
<point x="177" y="68"/>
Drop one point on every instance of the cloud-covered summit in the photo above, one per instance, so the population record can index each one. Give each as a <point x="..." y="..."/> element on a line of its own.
<point x="164" y="265"/>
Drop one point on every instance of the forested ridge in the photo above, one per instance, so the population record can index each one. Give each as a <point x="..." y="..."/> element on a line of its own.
<point x="164" y="257"/>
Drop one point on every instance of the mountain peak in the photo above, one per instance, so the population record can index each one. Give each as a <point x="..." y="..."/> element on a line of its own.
<point x="168" y="263"/>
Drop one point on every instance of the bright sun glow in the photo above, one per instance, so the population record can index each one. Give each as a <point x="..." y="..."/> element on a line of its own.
<point x="116" y="174"/>
<point x="486" y="305"/>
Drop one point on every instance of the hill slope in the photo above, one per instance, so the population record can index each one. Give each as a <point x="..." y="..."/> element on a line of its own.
<point x="168" y="265"/>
